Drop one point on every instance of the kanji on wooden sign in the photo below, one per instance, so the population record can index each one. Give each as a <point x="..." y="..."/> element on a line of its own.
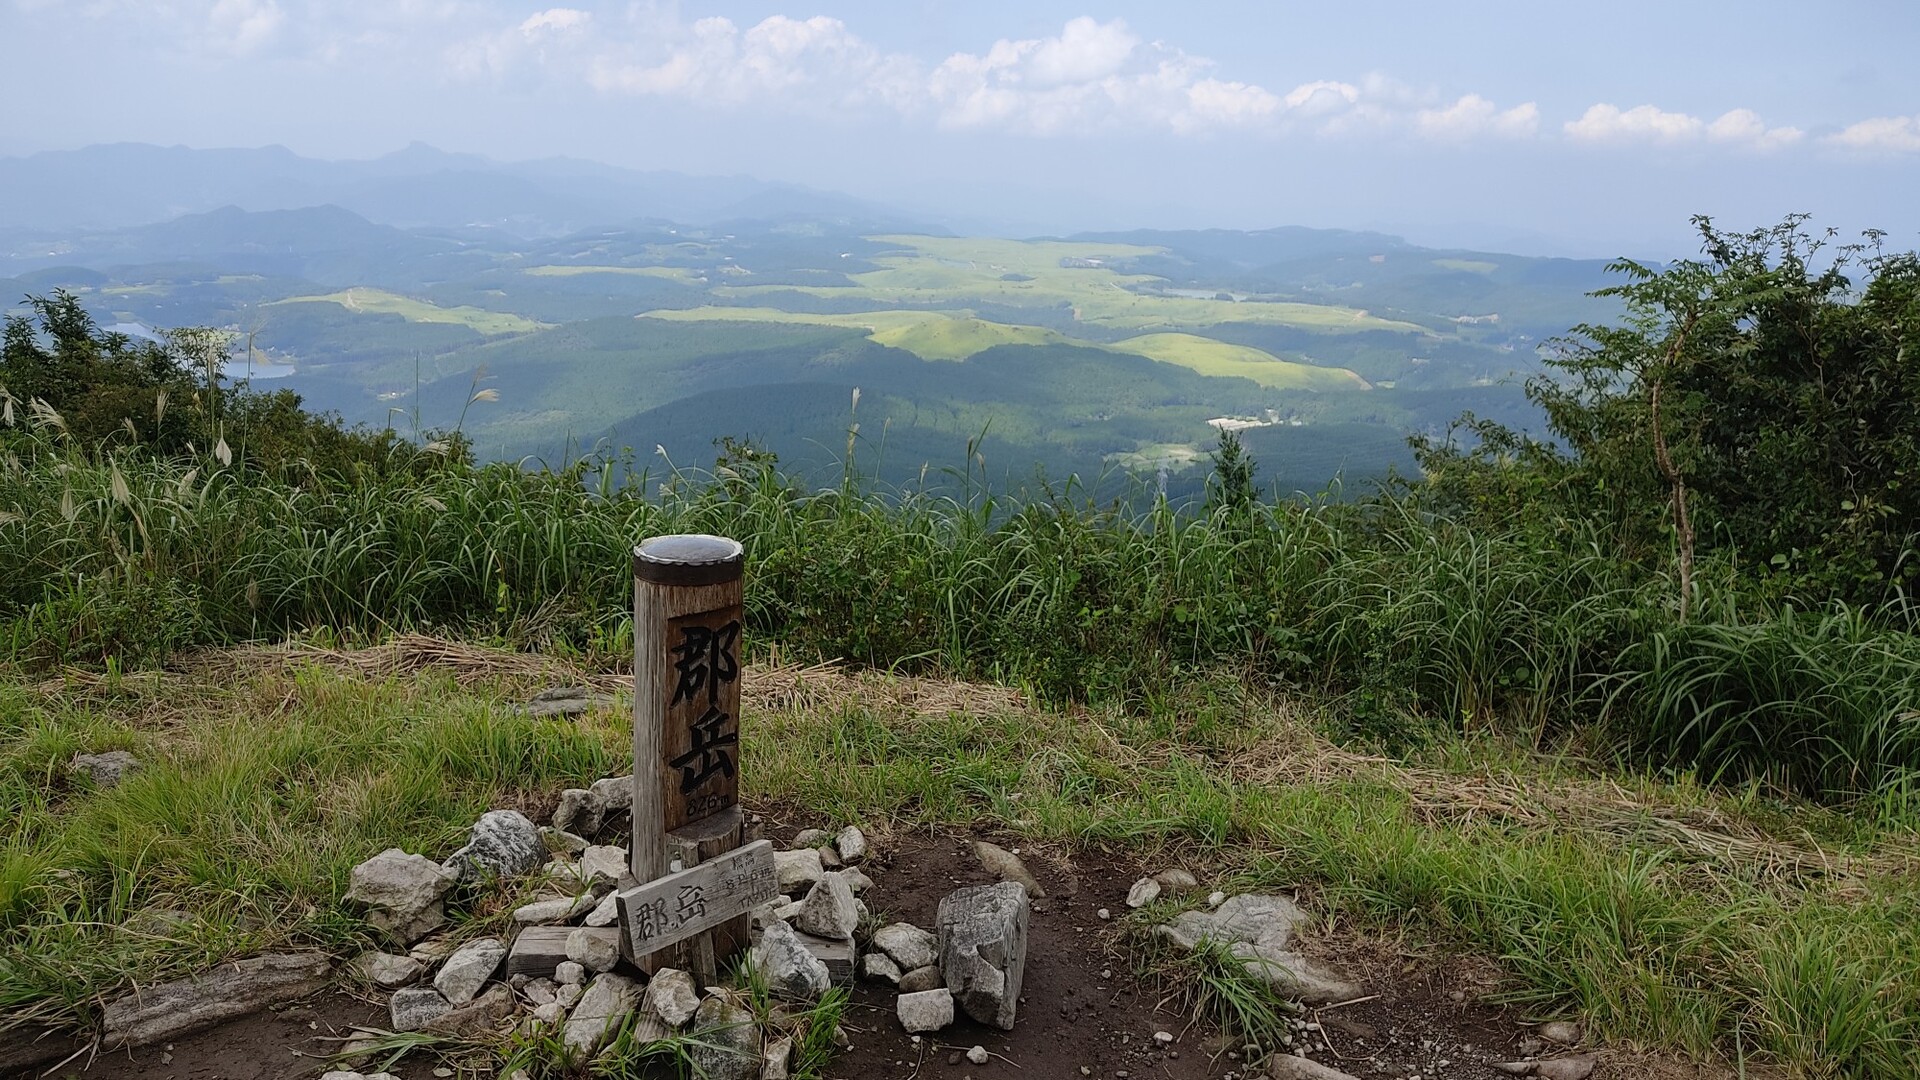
<point x="701" y="755"/>
<point x="658" y="913"/>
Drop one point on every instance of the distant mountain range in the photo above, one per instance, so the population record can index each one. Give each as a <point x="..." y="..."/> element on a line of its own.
<point x="128" y="184"/>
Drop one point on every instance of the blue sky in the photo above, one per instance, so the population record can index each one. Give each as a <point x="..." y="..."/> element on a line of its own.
<point x="1550" y="125"/>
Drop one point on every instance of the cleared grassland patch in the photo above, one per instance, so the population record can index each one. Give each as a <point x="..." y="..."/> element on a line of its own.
<point x="382" y="302"/>
<point x="1664" y="913"/>
<point x="1210" y="357"/>
<point x="930" y="335"/>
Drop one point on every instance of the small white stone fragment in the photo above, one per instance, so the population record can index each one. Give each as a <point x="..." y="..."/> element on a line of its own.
<point x="977" y="1055"/>
<point x="852" y="844"/>
<point x="570" y="973"/>
<point x="1144" y="892"/>
<point x="593" y="951"/>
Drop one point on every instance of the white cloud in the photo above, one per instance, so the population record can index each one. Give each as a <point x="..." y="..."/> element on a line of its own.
<point x="1744" y="127"/>
<point x="1474" y="116"/>
<point x="1607" y="123"/>
<point x="243" y="26"/>
<point x="794" y="61"/>
<point x="1322" y="97"/>
<point x="555" y="20"/>
<point x="1881" y="133"/>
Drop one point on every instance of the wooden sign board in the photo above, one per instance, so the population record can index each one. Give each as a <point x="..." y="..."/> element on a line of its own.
<point x="658" y="913"/>
<point x="700" y="746"/>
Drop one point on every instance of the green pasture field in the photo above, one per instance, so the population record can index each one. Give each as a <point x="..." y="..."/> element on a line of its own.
<point x="382" y="302"/>
<point x="1210" y="357"/>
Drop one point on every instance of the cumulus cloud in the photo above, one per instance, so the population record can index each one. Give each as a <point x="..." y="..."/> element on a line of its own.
<point x="1900" y="134"/>
<point x="1474" y="116"/>
<point x="555" y="20"/>
<point x="1647" y="123"/>
<point x="778" y="58"/>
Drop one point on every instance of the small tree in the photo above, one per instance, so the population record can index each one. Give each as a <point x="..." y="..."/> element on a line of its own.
<point x="1231" y="485"/>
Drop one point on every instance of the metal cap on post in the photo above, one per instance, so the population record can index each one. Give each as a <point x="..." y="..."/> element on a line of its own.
<point x="687" y="616"/>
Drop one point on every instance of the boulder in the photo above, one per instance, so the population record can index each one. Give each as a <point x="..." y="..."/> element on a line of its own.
<point x="929" y="1010"/>
<point x="908" y="945"/>
<point x="593" y="949"/>
<point x="828" y="911"/>
<point x="983" y="949"/>
<point x="1007" y="866"/>
<point x="386" y="970"/>
<point x="851" y="844"/>
<point x="415" y="1007"/>
<point x="789" y="969"/>
<point x="155" y="1013"/>
<point x="557" y="910"/>
<point x="403" y="894"/>
<point x="728" y="1042"/>
<point x="107" y="769"/>
<point x="876" y="967"/>
<point x="672" y="997"/>
<point x="469" y="968"/>
<point x="503" y="844"/>
<point x="581" y="811"/>
<point x="597" y="1017"/>
<point x="797" y="870"/>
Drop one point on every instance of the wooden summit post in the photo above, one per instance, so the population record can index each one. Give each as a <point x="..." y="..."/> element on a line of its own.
<point x="686" y="756"/>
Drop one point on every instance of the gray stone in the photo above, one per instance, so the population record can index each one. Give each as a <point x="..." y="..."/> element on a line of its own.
<point x="481" y="1015"/>
<point x="469" y="968"/>
<point x="829" y="858"/>
<point x="107" y="769"/>
<point x="1294" y="1067"/>
<point x="503" y="844"/>
<point x="565" y="702"/>
<point x="925" y="978"/>
<point x="1144" y="892"/>
<point x="417" y="1006"/>
<point x="1559" y="1031"/>
<point x="570" y="973"/>
<point x="1176" y="882"/>
<point x="603" y="864"/>
<point x="728" y="1046"/>
<point x="606" y="912"/>
<point x="616" y="792"/>
<point x="231" y="990"/>
<point x="557" y="910"/>
<point x="774" y="1058"/>
<point x="386" y="970"/>
<point x="580" y="811"/>
<point x="789" y="969"/>
<point x="977" y="1055"/>
<point x="1566" y="1068"/>
<point x="562" y="840"/>
<point x="852" y="844"/>
<point x="538" y="991"/>
<point x="595" y="950"/>
<point x="983" y="949"/>
<point x="1007" y="866"/>
<point x="549" y="1014"/>
<point x="908" y="945"/>
<point x="857" y="880"/>
<point x="876" y="967"/>
<point x="1258" y="930"/>
<point x="569" y="993"/>
<point x="809" y="838"/>
<point x="672" y="997"/>
<point x="343" y="1074"/>
<point x="606" y="1000"/>
<point x="929" y="1010"/>
<point x="403" y="894"/>
<point x="797" y="870"/>
<point x="828" y="910"/>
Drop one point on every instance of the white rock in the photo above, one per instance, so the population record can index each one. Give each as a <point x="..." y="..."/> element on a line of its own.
<point x="550" y="1014"/>
<point x="386" y="970"/>
<point x="468" y="969"/>
<point x="923" y="978"/>
<point x="593" y="951"/>
<point x="1103" y="914"/>
<point x="773" y="1059"/>
<point x="807" y="838"/>
<point x="1566" y="1068"/>
<point x="594" y="1020"/>
<point x="983" y="949"/>
<point x="857" y="880"/>
<point x="570" y="973"/>
<point x="606" y="912"/>
<point x="797" y="870"/>
<point x="562" y="840"/>
<point x="580" y="811"/>
<point x="403" y="893"/>
<point x="616" y="792"/>
<point x="1258" y="929"/>
<point x="786" y="964"/>
<point x="1176" y="882"/>
<point x="828" y="911"/>
<point x="503" y="844"/>
<point x="538" y="991"/>
<point x="877" y="967"/>
<point x="672" y="997"/>
<point x="927" y="1011"/>
<point x="851" y="844"/>
<point x="1144" y="892"/>
<point x="907" y="945"/>
<point x="603" y="863"/>
<point x="1216" y="898"/>
<point x="977" y="1055"/>
<point x="568" y="994"/>
<point x="557" y="910"/>
<point x="1559" y="1031"/>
